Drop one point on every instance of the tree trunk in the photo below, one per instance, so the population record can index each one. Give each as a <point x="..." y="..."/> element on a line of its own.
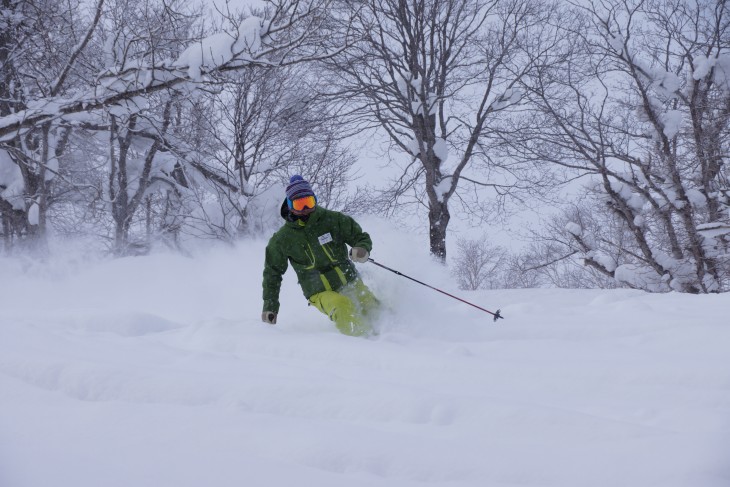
<point x="438" y="219"/>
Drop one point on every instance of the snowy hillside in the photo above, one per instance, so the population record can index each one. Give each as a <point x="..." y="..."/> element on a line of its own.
<point x="156" y="371"/>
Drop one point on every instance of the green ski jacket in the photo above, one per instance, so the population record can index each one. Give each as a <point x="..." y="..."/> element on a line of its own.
<point x="317" y="252"/>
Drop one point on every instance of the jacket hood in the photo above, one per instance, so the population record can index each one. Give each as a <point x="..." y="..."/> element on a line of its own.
<point x="284" y="211"/>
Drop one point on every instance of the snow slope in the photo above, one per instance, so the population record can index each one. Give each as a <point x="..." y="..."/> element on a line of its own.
<point x="156" y="371"/>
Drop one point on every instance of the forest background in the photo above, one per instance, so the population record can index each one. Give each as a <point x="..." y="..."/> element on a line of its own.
<point x="543" y="143"/>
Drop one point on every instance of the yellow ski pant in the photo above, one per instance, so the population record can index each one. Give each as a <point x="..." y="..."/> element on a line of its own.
<point x="348" y="307"/>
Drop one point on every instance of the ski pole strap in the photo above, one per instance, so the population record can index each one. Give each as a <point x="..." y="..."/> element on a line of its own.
<point x="496" y="315"/>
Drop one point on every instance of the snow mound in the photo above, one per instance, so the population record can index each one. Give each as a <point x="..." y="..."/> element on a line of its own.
<point x="132" y="324"/>
<point x="157" y="371"/>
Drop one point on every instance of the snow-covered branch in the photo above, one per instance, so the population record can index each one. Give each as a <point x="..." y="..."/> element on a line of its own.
<point x="255" y="42"/>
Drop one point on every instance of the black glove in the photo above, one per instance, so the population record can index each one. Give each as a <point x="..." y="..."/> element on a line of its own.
<point x="359" y="254"/>
<point x="268" y="317"/>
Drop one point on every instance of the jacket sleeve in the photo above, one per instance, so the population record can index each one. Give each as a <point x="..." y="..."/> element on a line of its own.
<point x="275" y="266"/>
<point x="353" y="234"/>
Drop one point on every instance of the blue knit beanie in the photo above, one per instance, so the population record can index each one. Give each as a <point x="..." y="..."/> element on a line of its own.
<point x="298" y="188"/>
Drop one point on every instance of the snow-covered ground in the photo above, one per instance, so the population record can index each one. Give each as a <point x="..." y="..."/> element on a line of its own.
<point x="156" y="371"/>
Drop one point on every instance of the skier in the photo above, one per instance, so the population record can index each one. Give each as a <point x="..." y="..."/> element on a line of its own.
<point x="314" y="240"/>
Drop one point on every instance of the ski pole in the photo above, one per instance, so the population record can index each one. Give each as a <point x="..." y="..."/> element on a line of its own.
<point x="496" y="315"/>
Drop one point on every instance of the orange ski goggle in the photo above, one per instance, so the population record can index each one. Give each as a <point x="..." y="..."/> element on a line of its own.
<point x="300" y="204"/>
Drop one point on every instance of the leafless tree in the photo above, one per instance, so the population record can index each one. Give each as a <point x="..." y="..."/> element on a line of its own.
<point x="41" y="53"/>
<point x="52" y="53"/>
<point x="136" y="130"/>
<point x="259" y="127"/>
<point x="479" y="265"/>
<point x="640" y="107"/>
<point x="289" y="33"/>
<point x="557" y="258"/>
<point x="432" y="74"/>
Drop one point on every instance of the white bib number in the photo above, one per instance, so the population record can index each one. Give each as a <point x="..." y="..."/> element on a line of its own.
<point x="326" y="238"/>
